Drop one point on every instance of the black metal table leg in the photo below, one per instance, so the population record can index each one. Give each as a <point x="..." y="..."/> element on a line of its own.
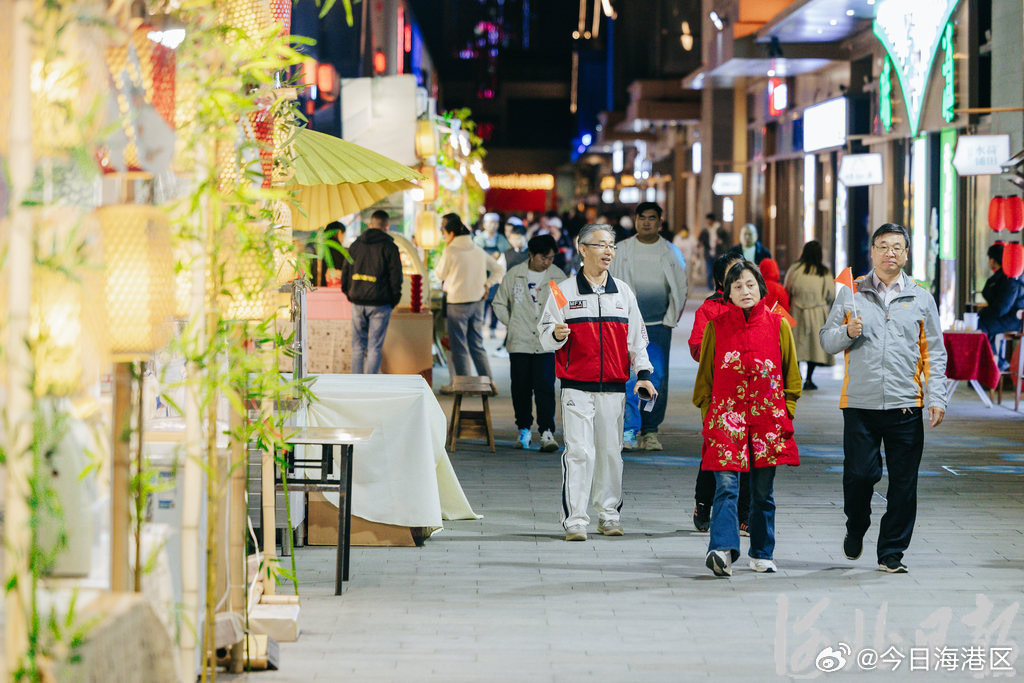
<point x="346" y="463"/>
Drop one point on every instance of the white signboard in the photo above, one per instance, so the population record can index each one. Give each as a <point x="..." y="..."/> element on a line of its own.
<point x="981" y="154"/>
<point x="727" y="184"/>
<point x="856" y="170"/>
<point x="825" y="125"/>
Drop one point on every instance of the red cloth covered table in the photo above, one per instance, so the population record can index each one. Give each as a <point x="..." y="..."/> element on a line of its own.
<point x="969" y="357"/>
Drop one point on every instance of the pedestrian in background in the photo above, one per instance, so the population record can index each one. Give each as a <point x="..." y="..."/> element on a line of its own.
<point x="517" y="252"/>
<point x="708" y="240"/>
<point x="890" y="335"/>
<point x="593" y="325"/>
<point x="776" y="292"/>
<point x="704" y="487"/>
<point x="747" y="385"/>
<point x="495" y="244"/>
<point x="1004" y="296"/>
<point x="654" y="269"/>
<point x="372" y="281"/>
<point x="750" y="247"/>
<point x="811" y="292"/>
<point x="522" y="292"/>
<point x="468" y="272"/>
<point x="326" y="257"/>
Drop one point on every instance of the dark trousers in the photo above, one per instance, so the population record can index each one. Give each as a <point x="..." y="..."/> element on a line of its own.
<point x="533" y="374"/>
<point x="901" y="430"/>
<point x="704" y="491"/>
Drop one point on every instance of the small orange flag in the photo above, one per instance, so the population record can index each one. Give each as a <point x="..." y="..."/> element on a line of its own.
<point x="776" y="308"/>
<point x="846" y="279"/>
<point x="560" y="299"/>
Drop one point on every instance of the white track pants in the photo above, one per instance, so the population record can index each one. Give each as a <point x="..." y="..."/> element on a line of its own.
<point x="592" y="460"/>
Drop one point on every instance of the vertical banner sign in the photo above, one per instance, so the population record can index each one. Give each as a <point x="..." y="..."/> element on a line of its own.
<point x="947" y="195"/>
<point x="885" y="95"/>
<point x="948" y="75"/>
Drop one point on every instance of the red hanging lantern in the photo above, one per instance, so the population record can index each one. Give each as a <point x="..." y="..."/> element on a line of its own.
<point x="1014" y="214"/>
<point x="1013" y="259"/>
<point x="995" y="214"/>
<point x="416" y="293"/>
<point x="263" y="130"/>
<point x="282" y="10"/>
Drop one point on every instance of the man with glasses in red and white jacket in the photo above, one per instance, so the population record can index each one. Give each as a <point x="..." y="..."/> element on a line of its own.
<point x="593" y="324"/>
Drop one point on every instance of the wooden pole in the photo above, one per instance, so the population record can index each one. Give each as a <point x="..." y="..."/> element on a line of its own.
<point x="236" y="520"/>
<point x="120" y="500"/>
<point x="17" y="517"/>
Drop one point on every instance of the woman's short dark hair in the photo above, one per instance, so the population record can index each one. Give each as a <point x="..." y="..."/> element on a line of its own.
<point x="736" y="271"/>
<point x="891" y="229"/>
<point x="542" y="244"/>
<point x="721" y="266"/>
<point x="811" y="259"/>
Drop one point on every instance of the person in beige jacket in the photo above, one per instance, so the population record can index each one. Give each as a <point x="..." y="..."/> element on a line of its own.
<point x="467" y="272"/>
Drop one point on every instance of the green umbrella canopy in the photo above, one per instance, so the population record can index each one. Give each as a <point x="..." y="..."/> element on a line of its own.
<point x="333" y="177"/>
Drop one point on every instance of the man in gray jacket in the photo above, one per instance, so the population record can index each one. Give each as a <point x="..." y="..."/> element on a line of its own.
<point x="518" y="304"/>
<point x="891" y="339"/>
<point x="655" y="270"/>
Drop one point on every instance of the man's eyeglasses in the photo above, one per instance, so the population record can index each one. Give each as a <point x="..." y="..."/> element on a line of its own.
<point x="896" y="251"/>
<point x="600" y="245"/>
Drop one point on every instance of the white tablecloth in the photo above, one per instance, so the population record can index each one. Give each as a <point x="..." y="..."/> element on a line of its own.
<point x="402" y="475"/>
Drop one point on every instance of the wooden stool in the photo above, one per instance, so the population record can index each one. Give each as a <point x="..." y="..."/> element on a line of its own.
<point x="470" y="423"/>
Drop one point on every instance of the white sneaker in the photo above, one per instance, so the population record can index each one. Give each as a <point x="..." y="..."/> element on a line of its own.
<point x="547" y="441"/>
<point x="719" y="562"/>
<point x="629" y="442"/>
<point x="577" y="532"/>
<point x="523" y="440"/>
<point x="763" y="566"/>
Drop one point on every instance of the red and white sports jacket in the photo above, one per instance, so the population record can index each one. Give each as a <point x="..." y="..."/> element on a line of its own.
<point x="606" y="336"/>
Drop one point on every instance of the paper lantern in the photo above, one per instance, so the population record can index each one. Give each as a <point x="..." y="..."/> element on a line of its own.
<point x="426" y="230"/>
<point x="139" y="275"/>
<point x="263" y="131"/>
<point x="1013" y="259"/>
<point x="416" y="292"/>
<point x="997" y="213"/>
<point x="1014" y="212"/>
<point x="426" y="139"/>
<point x="282" y="10"/>
<point x="429" y="184"/>
<point x="249" y="289"/>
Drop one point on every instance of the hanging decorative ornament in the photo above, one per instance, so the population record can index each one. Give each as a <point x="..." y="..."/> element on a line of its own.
<point x="995" y="214"/>
<point x="1014" y="214"/>
<point x="282" y="10"/>
<point x="1013" y="259"/>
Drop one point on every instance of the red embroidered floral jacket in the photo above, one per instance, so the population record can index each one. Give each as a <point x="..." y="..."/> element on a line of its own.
<point x="747" y="386"/>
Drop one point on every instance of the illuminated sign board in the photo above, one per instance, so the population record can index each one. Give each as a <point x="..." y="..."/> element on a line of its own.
<point x="948" y="75"/>
<point x="727" y="184"/>
<point x="778" y="96"/>
<point x="885" y="95"/>
<point x="856" y="170"/>
<point x="981" y="154"/>
<point x="825" y="125"/>
<point x="911" y="32"/>
<point x="947" y="195"/>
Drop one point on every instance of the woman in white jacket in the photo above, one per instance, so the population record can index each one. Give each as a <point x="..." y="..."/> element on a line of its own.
<point x="467" y="272"/>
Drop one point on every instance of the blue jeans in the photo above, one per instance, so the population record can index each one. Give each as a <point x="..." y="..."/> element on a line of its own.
<point x="725" y="528"/>
<point x="464" y="339"/>
<point x="369" y="325"/>
<point x="660" y="338"/>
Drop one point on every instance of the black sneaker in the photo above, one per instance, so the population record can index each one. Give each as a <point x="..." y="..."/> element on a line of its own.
<point x="892" y="565"/>
<point x="702" y="517"/>
<point x="810" y="386"/>
<point x="853" y="546"/>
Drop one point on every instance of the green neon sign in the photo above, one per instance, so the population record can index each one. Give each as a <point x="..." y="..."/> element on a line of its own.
<point x="947" y="194"/>
<point x="948" y="75"/>
<point x="885" y="95"/>
<point x="911" y="32"/>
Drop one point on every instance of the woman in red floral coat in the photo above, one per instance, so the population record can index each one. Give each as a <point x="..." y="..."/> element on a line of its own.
<point x="747" y="386"/>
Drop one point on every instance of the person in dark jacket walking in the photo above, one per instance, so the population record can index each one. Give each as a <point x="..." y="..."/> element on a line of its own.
<point x="1004" y="295"/>
<point x="372" y="281"/>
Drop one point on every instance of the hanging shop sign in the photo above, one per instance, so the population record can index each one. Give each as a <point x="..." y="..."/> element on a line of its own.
<point x="981" y="154"/>
<point x="885" y="95"/>
<point x="778" y="96"/>
<point x="911" y="32"/>
<point x="947" y="195"/>
<point x="948" y="75"/>
<point x="856" y="170"/>
<point x="727" y="184"/>
<point x="825" y="125"/>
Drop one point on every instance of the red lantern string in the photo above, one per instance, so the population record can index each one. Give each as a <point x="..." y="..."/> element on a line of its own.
<point x="416" y="292"/>
<point x="263" y="129"/>
<point x="995" y="214"/>
<point x="282" y="10"/>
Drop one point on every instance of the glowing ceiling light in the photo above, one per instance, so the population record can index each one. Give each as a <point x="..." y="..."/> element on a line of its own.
<point x="716" y="20"/>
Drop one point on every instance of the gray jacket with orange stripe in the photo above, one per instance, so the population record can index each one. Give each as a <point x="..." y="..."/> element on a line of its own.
<point x="899" y="361"/>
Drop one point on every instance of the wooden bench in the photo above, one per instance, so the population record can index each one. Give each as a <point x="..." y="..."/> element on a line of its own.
<point x="470" y="423"/>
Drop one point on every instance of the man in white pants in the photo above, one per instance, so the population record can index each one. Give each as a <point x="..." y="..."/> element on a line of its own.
<point x="593" y="324"/>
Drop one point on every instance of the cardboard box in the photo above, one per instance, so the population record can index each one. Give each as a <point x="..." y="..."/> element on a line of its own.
<point x="322" y="527"/>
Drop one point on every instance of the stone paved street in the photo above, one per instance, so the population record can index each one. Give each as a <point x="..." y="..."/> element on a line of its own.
<point x="506" y="599"/>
